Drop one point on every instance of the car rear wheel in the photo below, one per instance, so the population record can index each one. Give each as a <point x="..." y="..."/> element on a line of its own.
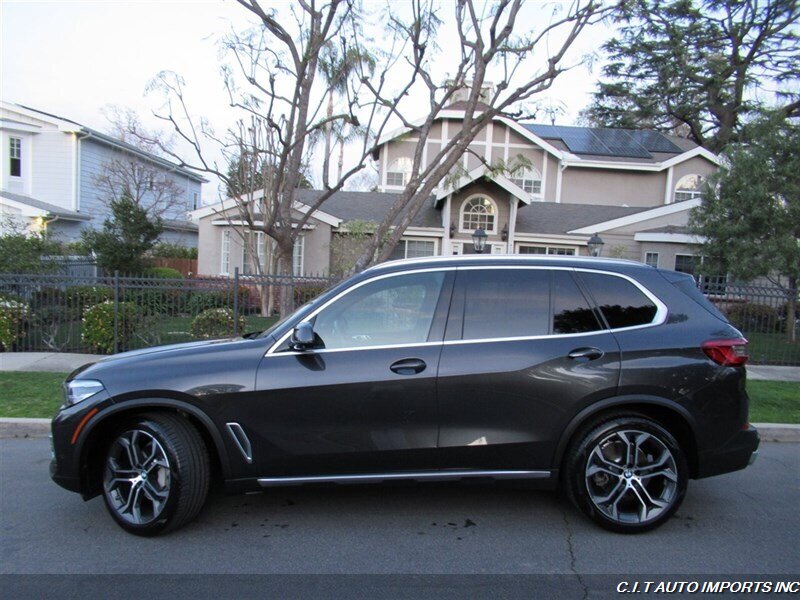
<point x="156" y="474"/>
<point x="627" y="473"/>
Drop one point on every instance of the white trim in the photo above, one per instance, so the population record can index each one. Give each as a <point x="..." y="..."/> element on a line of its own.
<point x="512" y="225"/>
<point x="62" y="125"/>
<point x="496" y="214"/>
<point x="11" y="125"/>
<point x="241" y="223"/>
<point x="426" y="232"/>
<point x="487" y="150"/>
<point x="220" y="207"/>
<point x="559" y="177"/>
<point x="301" y="239"/>
<point x="668" y="191"/>
<point x="645" y="215"/>
<point x="547" y="239"/>
<point x="544" y="175"/>
<point x="576" y="161"/>
<point x="501" y="180"/>
<point x="524" y="132"/>
<point x="670" y="238"/>
<point x="25" y="209"/>
<point x="223" y="268"/>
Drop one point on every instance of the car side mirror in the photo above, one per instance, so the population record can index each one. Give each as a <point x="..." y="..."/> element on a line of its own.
<point x="302" y="336"/>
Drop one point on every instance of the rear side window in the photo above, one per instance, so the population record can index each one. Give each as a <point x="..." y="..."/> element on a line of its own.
<point x="505" y="303"/>
<point x="621" y="302"/>
<point x="687" y="285"/>
<point x="571" y="311"/>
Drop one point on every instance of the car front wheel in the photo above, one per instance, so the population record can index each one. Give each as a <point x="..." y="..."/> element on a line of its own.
<point x="156" y="474"/>
<point x="626" y="473"/>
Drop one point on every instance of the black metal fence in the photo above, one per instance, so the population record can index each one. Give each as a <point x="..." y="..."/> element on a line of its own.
<point x="96" y="314"/>
<point x="762" y="313"/>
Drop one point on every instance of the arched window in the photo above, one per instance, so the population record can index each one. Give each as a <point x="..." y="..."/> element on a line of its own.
<point x="529" y="180"/>
<point x="399" y="171"/>
<point x="689" y="187"/>
<point x="478" y="212"/>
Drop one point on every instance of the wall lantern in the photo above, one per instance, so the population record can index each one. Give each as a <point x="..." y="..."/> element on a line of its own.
<point x="595" y="245"/>
<point x="479" y="240"/>
<point x="504" y="233"/>
<point x="452" y="229"/>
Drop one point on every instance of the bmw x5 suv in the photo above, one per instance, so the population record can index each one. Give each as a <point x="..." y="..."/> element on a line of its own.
<point x="615" y="381"/>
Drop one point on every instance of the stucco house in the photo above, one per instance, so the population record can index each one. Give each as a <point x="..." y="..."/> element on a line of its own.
<point x="51" y="177"/>
<point x="634" y="189"/>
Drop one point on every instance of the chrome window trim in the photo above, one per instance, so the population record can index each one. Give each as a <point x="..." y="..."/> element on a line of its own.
<point x="658" y="319"/>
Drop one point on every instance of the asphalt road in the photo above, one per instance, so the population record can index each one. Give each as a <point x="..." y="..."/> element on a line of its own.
<point x="745" y="522"/>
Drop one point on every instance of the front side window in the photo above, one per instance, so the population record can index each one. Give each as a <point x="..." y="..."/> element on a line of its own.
<point x="389" y="311"/>
<point x="529" y="180"/>
<point x="622" y="303"/>
<point x="505" y="303"/>
<point x="15" y="156"/>
<point x="478" y="213"/>
<point x="689" y="187"/>
<point x="399" y="172"/>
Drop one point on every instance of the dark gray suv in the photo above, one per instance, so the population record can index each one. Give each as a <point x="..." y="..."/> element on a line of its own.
<point x="617" y="381"/>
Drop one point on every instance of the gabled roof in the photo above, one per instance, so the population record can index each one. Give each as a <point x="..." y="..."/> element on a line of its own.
<point x="558" y="219"/>
<point x="643" y="215"/>
<point x="69" y="125"/>
<point x="41" y="208"/>
<point x="478" y="172"/>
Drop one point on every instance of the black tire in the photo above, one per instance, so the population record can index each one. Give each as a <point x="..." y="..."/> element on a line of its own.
<point x="595" y="469"/>
<point x="172" y="482"/>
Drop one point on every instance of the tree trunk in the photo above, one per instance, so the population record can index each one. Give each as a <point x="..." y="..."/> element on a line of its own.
<point x="341" y="160"/>
<point x="284" y="263"/>
<point x="328" y="139"/>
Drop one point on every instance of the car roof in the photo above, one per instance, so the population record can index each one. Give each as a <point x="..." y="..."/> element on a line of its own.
<point x="589" y="262"/>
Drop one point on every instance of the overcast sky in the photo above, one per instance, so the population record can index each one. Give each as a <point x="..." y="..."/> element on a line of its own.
<point x="74" y="58"/>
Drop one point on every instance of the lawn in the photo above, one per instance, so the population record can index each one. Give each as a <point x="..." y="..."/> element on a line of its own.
<point x="25" y="394"/>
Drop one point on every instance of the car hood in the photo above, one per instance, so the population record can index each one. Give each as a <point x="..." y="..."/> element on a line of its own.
<point x="135" y="358"/>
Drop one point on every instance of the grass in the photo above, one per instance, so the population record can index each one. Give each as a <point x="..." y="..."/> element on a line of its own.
<point x="29" y="394"/>
<point x="774" y="401"/>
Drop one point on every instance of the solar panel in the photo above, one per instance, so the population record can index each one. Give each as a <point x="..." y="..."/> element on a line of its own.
<point x="654" y="141"/>
<point x="620" y="143"/>
<point x="606" y="142"/>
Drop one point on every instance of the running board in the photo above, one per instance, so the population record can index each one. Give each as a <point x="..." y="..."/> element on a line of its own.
<point x="418" y="476"/>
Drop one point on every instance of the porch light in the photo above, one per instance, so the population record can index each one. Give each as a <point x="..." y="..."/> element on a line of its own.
<point x="595" y="245"/>
<point x="504" y="233"/>
<point x="479" y="240"/>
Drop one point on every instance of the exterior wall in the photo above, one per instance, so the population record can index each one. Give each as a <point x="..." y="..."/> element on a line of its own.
<point x="667" y="252"/>
<point x="491" y="190"/>
<point x="317" y="250"/>
<point x="694" y="166"/>
<point x="93" y="201"/>
<point x="53" y="168"/>
<point x="209" y="247"/>
<point x="612" y="187"/>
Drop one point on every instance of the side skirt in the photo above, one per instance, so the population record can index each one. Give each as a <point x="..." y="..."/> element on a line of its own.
<point x="413" y="476"/>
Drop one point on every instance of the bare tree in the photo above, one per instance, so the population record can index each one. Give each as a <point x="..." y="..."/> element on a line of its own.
<point x="285" y="104"/>
<point x="127" y="174"/>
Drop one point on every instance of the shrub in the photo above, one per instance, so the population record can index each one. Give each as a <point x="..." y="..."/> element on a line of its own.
<point x="81" y="296"/>
<point x="215" y="323"/>
<point x="153" y="299"/>
<point x="305" y="292"/>
<point x="98" y="325"/>
<point x="163" y="273"/>
<point x="168" y="250"/>
<point x="13" y="321"/>
<point x="754" y="318"/>
<point x="203" y="300"/>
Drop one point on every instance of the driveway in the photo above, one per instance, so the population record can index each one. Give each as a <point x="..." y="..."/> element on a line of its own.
<point x="745" y="522"/>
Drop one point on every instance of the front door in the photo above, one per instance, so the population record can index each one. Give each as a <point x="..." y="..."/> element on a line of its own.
<point x="523" y="352"/>
<point x="364" y="399"/>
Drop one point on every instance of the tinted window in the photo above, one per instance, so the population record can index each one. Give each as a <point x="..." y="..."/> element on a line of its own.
<point x="505" y="303"/>
<point x="571" y="311"/>
<point x="393" y="310"/>
<point x="621" y="302"/>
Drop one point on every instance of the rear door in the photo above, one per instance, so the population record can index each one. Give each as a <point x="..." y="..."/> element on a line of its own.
<point x="524" y="351"/>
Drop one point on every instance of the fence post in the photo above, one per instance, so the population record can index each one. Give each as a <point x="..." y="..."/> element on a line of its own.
<point x="236" y="302"/>
<point x="116" y="310"/>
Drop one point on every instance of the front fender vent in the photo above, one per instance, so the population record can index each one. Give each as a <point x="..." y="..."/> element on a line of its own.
<point x="241" y="440"/>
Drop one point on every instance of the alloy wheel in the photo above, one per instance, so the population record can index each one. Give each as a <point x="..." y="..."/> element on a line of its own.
<point x="137" y="477"/>
<point x="631" y="477"/>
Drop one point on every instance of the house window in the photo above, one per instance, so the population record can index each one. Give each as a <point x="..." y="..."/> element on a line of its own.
<point x="15" y="156"/>
<point x="529" y="181"/>
<point x="651" y="259"/>
<point x="551" y="250"/>
<point x="195" y="201"/>
<point x="254" y="241"/>
<point x="478" y="212"/>
<point x="297" y="255"/>
<point x="225" y="254"/>
<point x="689" y="187"/>
<point x="687" y="263"/>
<point x="413" y="249"/>
<point x="399" y="172"/>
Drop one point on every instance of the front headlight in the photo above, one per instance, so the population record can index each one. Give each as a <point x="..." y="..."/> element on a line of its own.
<point x="78" y="390"/>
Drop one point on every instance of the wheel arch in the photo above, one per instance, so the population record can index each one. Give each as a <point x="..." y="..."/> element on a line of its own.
<point x="674" y="417"/>
<point x="97" y="432"/>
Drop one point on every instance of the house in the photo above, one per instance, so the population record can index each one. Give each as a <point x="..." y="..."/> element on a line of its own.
<point x="55" y="175"/>
<point x="633" y="189"/>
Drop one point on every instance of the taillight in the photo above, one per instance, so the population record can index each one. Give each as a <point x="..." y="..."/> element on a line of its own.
<point x="728" y="353"/>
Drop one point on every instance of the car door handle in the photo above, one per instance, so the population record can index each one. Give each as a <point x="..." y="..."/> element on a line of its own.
<point x="408" y="366"/>
<point x="590" y="353"/>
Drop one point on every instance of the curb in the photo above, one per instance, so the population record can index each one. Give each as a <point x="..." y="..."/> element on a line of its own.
<point x="40" y="428"/>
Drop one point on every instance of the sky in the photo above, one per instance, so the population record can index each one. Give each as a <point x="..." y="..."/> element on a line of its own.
<point x="74" y="59"/>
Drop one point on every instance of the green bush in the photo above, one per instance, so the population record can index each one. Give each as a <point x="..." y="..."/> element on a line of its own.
<point x="13" y="320"/>
<point x="98" y="325"/>
<point x="203" y="300"/>
<point x="163" y="273"/>
<point x="754" y="318"/>
<point x="167" y="250"/>
<point x="81" y="296"/>
<point x="215" y="323"/>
